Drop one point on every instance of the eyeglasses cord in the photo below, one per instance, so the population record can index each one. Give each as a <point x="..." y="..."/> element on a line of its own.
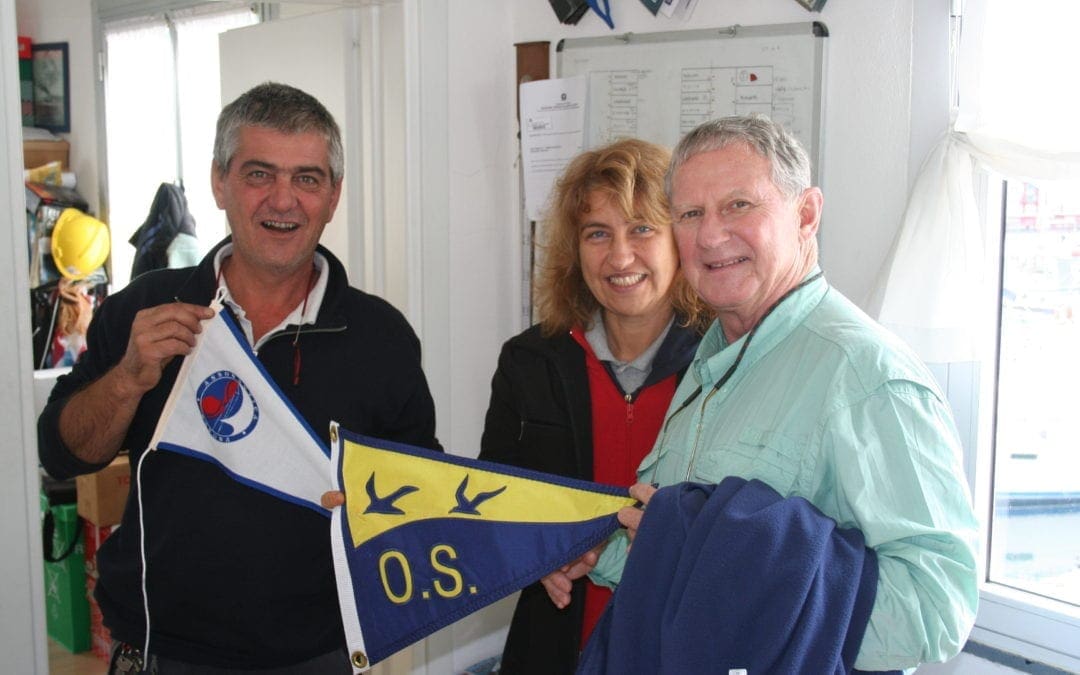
<point x="738" y="357"/>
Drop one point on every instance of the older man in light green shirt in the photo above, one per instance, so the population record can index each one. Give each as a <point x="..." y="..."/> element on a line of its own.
<point x="828" y="406"/>
<point x="795" y="386"/>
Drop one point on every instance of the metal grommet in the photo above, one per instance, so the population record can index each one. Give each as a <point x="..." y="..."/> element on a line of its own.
<point x="359" y="659"/>
<point x="333" y="433"/>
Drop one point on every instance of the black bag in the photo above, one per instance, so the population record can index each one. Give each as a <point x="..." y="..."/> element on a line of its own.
<point x="57" y="492"/>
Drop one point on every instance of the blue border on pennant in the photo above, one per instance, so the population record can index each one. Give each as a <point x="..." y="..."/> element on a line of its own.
<point x="241" y="339"/>
<point x="261" y="487"/>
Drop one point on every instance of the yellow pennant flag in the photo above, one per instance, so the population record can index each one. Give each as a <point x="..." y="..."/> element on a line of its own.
<point x="426" y="538"/>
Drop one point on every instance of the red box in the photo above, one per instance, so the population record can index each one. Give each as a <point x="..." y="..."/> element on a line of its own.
<point x="100" y="640"/>
<point x="24" y="47"/>
<point x="94" y="536"/>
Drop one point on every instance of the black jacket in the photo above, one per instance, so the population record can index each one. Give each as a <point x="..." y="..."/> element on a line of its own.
<point x="540" y="417"/>
<point x="168" y="217"/>
<point x="236" y="577"/>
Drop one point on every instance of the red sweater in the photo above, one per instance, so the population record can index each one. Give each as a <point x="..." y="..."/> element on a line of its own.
<point x="624" y="428"/>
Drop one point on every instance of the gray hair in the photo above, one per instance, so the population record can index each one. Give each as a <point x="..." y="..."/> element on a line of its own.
<point x="281" y="108"/>
<point x="789" y="161"/>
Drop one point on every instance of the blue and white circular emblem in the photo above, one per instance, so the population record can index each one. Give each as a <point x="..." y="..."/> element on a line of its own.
<point x="227" y="406"/>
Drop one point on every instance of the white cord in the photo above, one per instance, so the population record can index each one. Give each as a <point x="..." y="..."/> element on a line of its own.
<point x="142" y="557"/>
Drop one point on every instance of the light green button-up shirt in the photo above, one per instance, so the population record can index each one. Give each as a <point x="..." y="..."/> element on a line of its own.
<point x="829" y="406"/>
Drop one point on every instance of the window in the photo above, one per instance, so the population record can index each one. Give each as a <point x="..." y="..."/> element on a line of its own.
<point x="162" y="97"/>
<point x="1035" y="527"/>
<point x="1008" y="367"/>
<point x="1030" y="601"/>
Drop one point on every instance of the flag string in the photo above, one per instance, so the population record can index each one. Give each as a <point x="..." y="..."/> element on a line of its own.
<point x="142" y="556"/>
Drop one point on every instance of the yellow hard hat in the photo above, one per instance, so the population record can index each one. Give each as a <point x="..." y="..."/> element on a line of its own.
<point x="80" y="243"/>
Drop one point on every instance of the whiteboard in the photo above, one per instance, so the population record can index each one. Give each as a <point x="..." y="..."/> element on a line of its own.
<point x="659" y="86"/>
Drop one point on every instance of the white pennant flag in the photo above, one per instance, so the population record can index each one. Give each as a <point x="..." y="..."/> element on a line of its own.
<point x="225" y="409"/>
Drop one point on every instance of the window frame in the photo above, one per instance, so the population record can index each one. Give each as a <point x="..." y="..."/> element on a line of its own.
<point x="1020" y="622"/>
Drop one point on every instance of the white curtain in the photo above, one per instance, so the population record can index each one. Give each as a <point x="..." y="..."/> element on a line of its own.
<point x="140" y="128"/>
<point x="1017" y="115"/>
<point x="198" y="87"/>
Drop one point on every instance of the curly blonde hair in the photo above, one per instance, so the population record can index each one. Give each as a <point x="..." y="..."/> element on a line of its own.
<point x="630" y="173"/>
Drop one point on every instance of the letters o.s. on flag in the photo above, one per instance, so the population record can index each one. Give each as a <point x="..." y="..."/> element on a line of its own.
<point x="426" y="538"/>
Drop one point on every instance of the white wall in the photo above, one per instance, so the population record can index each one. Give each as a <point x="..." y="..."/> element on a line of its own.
<point x="22" y="617"/>
<point x="283" y="51"/>
<point x="462" y="218"/>
<point x="483" y="208"/>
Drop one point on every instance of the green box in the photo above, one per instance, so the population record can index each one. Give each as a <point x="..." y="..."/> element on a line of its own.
<point x="67" y="609"/>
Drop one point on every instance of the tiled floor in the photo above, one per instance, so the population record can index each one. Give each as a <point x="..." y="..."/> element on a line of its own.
<point x="63" y="662"/>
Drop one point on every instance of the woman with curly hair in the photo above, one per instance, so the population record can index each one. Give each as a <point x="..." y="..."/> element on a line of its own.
<point x="583" y="392"/>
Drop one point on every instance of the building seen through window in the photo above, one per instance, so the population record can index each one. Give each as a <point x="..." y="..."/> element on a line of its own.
<point x="1035" y="531"/>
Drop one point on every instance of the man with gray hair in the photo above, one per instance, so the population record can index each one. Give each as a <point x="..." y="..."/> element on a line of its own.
<point x="236" y="579"/>
<point x="796" y="388"/>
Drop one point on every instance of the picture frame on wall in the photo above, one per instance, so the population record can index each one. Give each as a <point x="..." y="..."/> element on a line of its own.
<point x="52" y="98"/>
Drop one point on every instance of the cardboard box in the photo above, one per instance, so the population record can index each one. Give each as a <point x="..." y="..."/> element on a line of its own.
<point x="67" y="611"/>
<point x="38" y="153"/>
<point x="101" y="496"/>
